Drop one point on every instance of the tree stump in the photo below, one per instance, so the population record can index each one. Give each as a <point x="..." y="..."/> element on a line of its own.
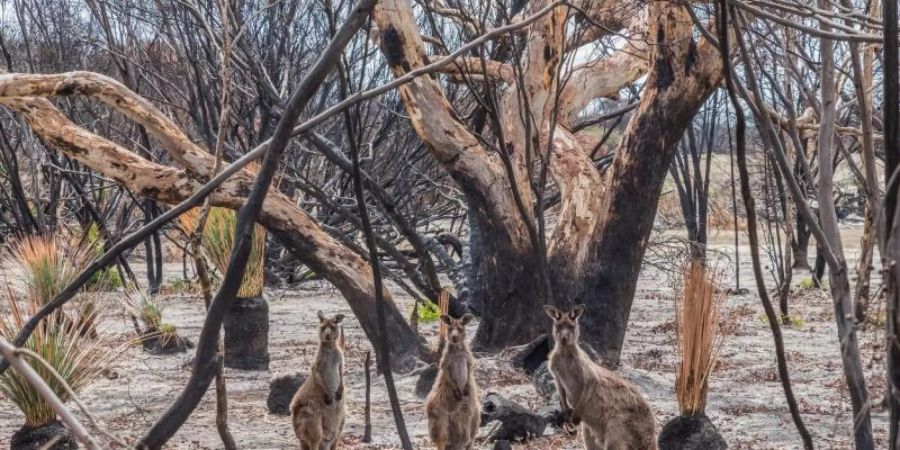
<point x="156" y="344"/>
<point x="694" y="432"/>
<point x="33" y="438"/>
<point x="247" y="334"/>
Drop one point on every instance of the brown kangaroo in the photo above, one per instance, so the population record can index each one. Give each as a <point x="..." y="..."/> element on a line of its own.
<point x="612" y="413"/>
<point x="453" y="406"/>
<point x="317" y="409"/>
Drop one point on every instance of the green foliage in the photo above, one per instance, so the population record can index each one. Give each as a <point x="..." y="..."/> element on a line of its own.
<point x="107" y="279"/>
<point x="181" y="285"/>
<point x="76" y="357"/>
<point x="794" y="321"/>
<point x="150" y="314"/>
<point x="428" y="312"/>
<point x="219" y="237"/>
<point x="808" y="284"/>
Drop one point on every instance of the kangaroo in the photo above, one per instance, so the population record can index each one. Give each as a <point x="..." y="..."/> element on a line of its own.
<point x="612" y="413"/>
<point x="317" y="409"/>
<point x="453" y="406"/>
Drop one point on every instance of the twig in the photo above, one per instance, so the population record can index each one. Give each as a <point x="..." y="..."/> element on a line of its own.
<point x="367" y="433"/>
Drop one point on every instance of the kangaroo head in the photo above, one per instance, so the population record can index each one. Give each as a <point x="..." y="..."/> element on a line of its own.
<point x="329" y="328"/>
<point x="565" y="324"/>
<point x="456" y="328"/>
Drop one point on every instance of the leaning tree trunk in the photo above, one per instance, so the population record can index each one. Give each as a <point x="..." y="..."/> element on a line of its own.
<point x="346" y="270"/>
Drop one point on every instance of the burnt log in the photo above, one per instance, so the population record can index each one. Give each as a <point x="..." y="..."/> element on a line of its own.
<point x="517" y="423"/>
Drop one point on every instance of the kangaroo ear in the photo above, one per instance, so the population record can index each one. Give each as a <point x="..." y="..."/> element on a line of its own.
<point x="552" y="312"/>
<point x="466" y="318"/>
<point x="577" y="311"/>
<point x="321" y="316"/>
<point x="446" y="319"/>
<point x="338" y="318"/>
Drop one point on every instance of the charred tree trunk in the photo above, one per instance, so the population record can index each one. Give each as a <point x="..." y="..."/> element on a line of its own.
<point x="680" y="81"/>
<point x="247" y="334"/>
<point x="504" y="286"/>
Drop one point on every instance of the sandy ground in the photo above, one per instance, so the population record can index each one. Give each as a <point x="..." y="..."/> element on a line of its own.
<point x="746" y="400"/>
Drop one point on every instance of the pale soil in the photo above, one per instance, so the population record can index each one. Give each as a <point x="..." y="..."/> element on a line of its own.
<point x="746" y="401"/>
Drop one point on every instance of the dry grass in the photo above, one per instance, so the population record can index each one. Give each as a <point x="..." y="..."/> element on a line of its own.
<point x="44" y="265"/>
<point x="218" y="239"/>
<point x="719" y="216"/>
<point x="698" y="339"/>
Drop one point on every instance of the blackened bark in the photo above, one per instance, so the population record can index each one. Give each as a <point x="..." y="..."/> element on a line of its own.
<point x="800" y="243"/>
<point x="637" y="179"/>
<point x="892" y="160"/>
<point x="247" y="334"/>
<point x="505" y="286"/>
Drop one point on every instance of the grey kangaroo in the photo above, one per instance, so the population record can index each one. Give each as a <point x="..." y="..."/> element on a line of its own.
<point x="612" y="413"/>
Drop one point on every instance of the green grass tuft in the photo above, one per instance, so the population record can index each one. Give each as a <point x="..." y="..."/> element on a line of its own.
<point x="428" y="312"/>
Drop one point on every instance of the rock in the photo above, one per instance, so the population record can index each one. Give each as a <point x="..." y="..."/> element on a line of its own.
<point x="281" y="392"/>
<point x="34" y="438"/>
<point x="695" y="432"/>
<point x="426" y="380"/>
<point x="517" y="423"/>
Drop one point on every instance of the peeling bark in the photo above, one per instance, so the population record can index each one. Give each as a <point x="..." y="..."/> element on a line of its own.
<point x="348" y="271"/>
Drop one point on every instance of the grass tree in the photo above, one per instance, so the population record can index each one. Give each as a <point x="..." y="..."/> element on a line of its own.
<point x="247" y="325"/>
<point x="42" y="266"/>
<point x="697" y="343"/>
<point x="73" y="358"/>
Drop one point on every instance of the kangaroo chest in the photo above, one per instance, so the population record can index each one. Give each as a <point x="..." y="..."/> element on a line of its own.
<point x="330" y="369"/>
<point x="457" y="366"/>
<point x="570" y="376"/>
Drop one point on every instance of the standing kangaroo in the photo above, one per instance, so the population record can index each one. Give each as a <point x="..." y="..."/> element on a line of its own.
<point x="612" y="413"/>
<point x="453" y="406"/>
<point x="317" y="410"/>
